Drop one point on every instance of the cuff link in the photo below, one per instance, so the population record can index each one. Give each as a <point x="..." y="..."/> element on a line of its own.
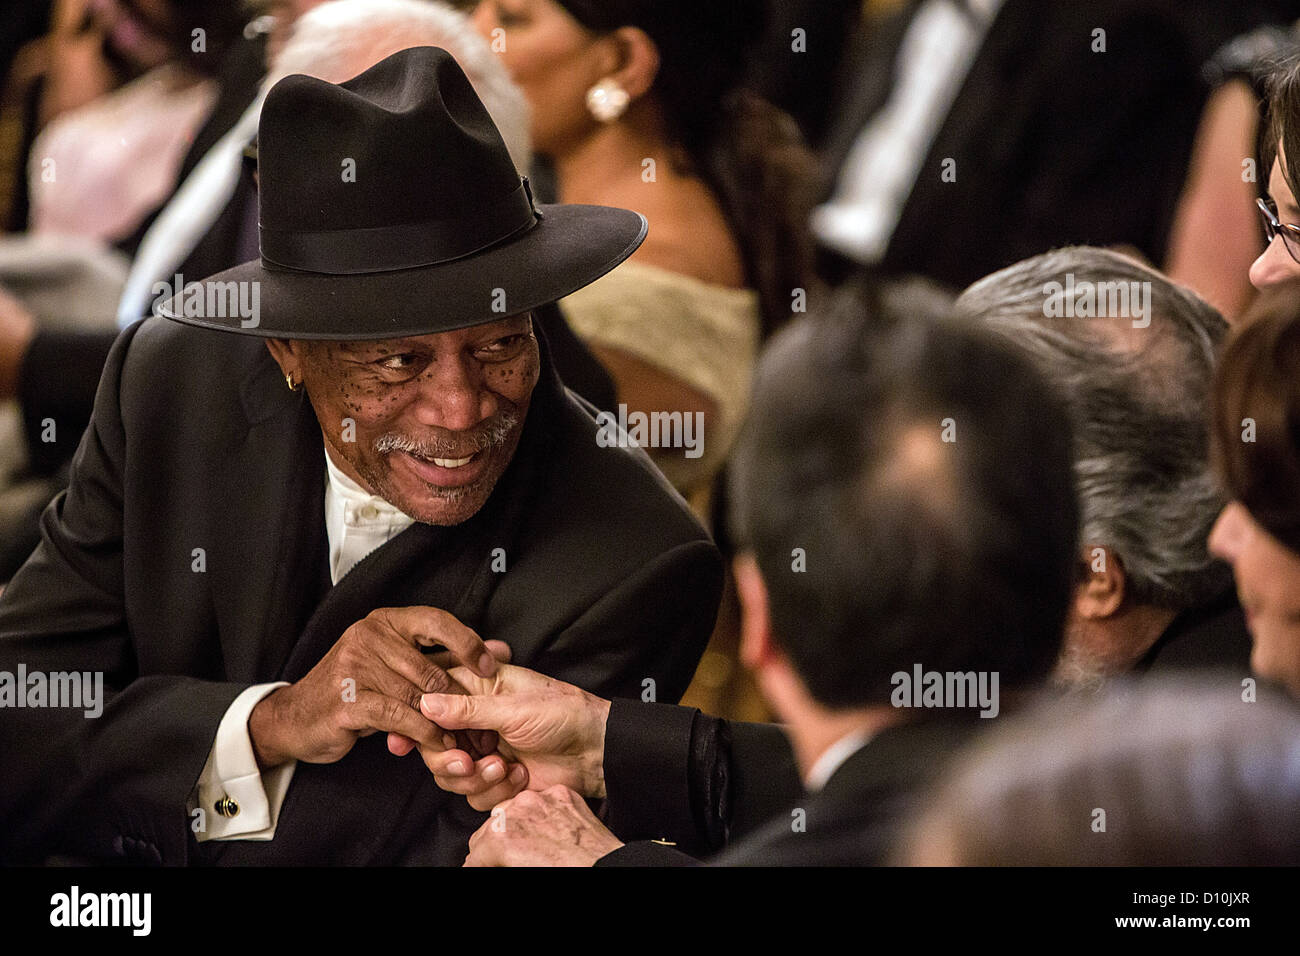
<point x="226" y="806"/>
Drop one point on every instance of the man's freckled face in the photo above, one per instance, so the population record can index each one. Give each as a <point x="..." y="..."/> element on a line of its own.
<point x="437" y="417"/>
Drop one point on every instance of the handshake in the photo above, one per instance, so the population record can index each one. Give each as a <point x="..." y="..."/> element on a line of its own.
<point x="549" y="755"/>
<point x="498" y="735"/>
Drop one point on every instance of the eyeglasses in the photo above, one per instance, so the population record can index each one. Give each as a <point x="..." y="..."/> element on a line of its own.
<point x="1274" y="227"/>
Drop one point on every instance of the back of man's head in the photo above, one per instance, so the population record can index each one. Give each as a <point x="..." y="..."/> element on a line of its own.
<point x="343" y="38"/>
<point x="1136" y="382"/>
<point x="904" y="486"/>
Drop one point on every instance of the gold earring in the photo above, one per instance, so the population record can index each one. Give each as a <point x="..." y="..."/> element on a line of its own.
<point x="288" y="380"/>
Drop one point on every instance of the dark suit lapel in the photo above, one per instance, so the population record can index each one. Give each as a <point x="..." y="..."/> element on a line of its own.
<point x="422" y="565"/>
<point x="993" y="99"/>
<point x="371" y="807"/>
<point x="267" y="543"/>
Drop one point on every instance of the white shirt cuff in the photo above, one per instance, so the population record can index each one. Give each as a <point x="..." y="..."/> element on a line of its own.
<point x="231" y="781"/>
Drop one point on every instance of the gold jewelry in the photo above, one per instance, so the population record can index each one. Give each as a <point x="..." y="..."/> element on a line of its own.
<point x="288" y="380"/>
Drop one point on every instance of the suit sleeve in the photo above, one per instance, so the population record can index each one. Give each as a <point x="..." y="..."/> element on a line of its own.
<point x="676" y="775"/>
<point x="647" y="853"/>
<point x="648" y="775"/>
<point x="113" y="785"/>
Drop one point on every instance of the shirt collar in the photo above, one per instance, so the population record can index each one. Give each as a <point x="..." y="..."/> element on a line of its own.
<point x="356" y="522"/>
<point x="834" y="757"/>
<point x="352" y="494"/>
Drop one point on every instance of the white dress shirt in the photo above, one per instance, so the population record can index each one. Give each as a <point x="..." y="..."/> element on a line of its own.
<point x="882" y="167"/>
<point x="833" y="757"/>
<point x="356" y="523"/>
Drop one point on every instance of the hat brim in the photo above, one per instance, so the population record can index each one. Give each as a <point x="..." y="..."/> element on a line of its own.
<point x="571" y="246"/>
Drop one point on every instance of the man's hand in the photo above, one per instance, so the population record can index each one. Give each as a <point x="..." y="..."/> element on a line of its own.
<point x="17" y="328"/>
<point x="371" y="680"/>
<point x="551" y="828"/>
<point x="553" y="733"/>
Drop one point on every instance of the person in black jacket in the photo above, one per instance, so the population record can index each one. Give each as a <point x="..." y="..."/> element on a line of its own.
<point x="971" y="134"/>
<point x="905" y="506"/>
<point x="54" y="372"/>
<point x="362" y="450"/>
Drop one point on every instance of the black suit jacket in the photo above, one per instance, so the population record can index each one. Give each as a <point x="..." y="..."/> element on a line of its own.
<point x="197" y="444"/>
<point x="854" y="819"/>
<point x="728" y="791"/>
<point x="1213" y="635"/>
<point x="1054" y="144"/>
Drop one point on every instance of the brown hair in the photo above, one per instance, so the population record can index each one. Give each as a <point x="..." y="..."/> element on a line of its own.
<point x="1255" y="419"/>
<point x="1282" y="127"/>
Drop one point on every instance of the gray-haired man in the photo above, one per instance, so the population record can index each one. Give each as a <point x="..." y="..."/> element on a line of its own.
<point x="1132" y="354"/>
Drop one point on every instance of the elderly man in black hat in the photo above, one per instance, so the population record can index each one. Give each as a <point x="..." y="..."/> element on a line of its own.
<point x="334" y="460"/>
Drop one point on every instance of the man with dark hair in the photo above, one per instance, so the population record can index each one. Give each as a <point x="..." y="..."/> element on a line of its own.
<point x="904" y="503"/>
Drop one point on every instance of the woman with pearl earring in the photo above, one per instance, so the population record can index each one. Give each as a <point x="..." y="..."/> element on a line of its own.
<point x="638" y="103"/>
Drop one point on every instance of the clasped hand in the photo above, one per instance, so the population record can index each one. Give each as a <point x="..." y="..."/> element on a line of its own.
<point x="550" y="739"/>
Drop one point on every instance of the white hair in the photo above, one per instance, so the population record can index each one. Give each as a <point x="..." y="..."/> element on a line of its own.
<point x="340" y="39"/>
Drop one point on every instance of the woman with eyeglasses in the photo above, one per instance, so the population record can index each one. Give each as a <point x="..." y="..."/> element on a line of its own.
<point x="1279" y="265"/>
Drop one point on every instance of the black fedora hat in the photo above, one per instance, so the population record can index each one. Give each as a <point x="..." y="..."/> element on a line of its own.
<point x="390" y="207"/>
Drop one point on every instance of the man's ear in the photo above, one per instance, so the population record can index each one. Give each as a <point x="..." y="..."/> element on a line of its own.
<point x="1100" y="591"/>
<point x="756" y="646"/>
<point x="636" y="61"/>
<point x="286" y="355"/>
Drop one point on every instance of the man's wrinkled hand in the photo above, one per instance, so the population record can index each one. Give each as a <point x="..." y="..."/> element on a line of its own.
<point x="371" y="680"/>
<point x="552" y="828"/>
<point x="548" y="732"/>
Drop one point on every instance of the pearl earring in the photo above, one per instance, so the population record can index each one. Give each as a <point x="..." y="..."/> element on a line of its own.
<point x="607" y="100"/>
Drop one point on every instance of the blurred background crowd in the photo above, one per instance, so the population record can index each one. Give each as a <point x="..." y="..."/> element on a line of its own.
<point x="781" y="150"/>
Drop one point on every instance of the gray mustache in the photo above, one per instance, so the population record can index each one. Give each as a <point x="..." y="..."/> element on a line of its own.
<point x="489" y="434"/>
